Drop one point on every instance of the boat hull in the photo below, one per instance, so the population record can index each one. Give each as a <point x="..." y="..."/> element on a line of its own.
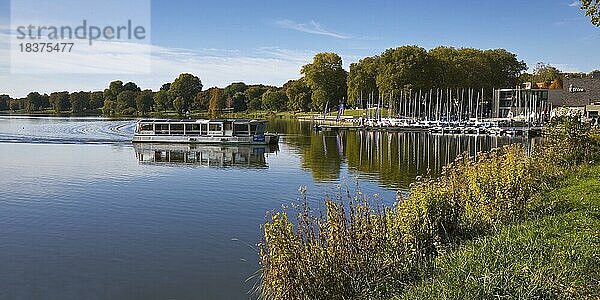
<point x="267" y="139"/>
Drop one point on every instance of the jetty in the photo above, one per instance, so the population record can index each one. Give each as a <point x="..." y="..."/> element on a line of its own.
<point x="439" y="111"/>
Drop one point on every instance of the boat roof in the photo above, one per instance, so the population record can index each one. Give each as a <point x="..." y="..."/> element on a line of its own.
<point x="184" y="121"/>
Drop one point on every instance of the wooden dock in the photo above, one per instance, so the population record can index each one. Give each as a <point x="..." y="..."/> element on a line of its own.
<point x="513" y="131"/>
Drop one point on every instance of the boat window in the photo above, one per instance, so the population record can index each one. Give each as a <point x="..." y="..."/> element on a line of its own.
<point x="214" y="127"/>
<point x="260" y="129"/>
<point x="192" y="128"/>
<point x="227" y="126"/>
<point x="240" y="128"/>
<point x="147" y="127"/>
<point x="176" y="128"/>
<point x="204" y="128"/>
<point x="162" y="129"/>
<point x="253" y="128"/>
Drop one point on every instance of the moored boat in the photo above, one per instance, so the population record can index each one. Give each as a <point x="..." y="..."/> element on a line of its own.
<point x="219" y="131"/>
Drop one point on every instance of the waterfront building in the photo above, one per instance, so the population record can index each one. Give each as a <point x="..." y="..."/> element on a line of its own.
<point x="577" y="95"/>
<point x="515" y="103"/>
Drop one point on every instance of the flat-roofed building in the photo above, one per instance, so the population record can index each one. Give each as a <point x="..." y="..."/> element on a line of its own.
<point x="579" y="92"/>
<point x="593" y="110"/>
<point x="510" y="103"/>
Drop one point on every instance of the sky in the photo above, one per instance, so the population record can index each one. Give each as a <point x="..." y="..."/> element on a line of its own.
<point x="268" y="41"/>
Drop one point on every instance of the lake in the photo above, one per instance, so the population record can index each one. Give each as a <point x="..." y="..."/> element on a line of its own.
<point x="84" y="214"/>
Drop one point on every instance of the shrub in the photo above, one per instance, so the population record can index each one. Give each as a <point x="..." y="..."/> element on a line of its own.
<point x="130" y="111"/>
<point x="359" y="249"/>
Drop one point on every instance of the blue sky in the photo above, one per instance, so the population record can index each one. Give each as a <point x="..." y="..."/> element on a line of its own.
<point x="268" y="41"/>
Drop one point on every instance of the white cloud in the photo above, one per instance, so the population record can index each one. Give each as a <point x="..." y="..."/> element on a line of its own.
<point x="574" y="4"/>
<point x="215" y="67"/>
<point x="310" y="27"/>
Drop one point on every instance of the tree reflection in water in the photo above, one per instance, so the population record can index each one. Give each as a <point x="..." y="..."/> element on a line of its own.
<point x="393" y="158"/>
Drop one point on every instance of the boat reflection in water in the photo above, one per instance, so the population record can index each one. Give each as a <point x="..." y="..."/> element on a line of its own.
<point x="213" y="156"/>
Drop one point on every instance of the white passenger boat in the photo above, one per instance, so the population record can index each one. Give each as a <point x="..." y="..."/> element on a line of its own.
<point x="223" y="131"/>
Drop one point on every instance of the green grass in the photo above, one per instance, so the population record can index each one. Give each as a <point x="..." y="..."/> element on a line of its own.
<point x="555" y="254"/>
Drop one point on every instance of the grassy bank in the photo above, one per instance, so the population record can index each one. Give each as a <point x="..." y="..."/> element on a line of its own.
<point x="359" y="249"/>
<point x="553" y="255"/>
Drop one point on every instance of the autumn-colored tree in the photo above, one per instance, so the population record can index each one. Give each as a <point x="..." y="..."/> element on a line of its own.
<point x="217" y="102"/>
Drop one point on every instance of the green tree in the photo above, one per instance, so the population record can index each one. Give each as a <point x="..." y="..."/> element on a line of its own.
<point x="592" y="9"/>
<point x="254" y="96"/>
<point x="474" y="68"/>
<point x="231" y="90"/>
<point x="45" y="102"/>
<point x="79" y="101"/>
<point x="144" y="101"/>
<point x="404" y="67"/>
<point x="505" y="68"/>
<point x="165" y="86"/>
<point x="131" y="86"/>
<point x="326" y="78"/>
<point x="125" y="101"/>
<point x="33" y="102"/>
<point x="299" y="95"/>
<point x="202" y="99"/>
<point x="162" y="101"/>
<point x="110" y="97"/>
<point x="110" y="107"/>
<point x="60" y="101"/>
<point x="187" y="87"/>
<point x="234" y="88"/>
<point x="96" y="100"/>
<point x="113" y="90"/>
<point x="239" y="102"/>
<point x="178" y="104"/>
<point x="446" y="70"/>
<point x="477" y="70"/>
<point x="362" y="80"/>
<point x="546" y="73"/>
<point x="274" y="100"/>
<point x="4" y="102"/>
<point x="14" y="105"/>
<point x="217" y="102"/>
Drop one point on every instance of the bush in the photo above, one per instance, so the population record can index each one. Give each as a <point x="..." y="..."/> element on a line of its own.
<point x="130" y="111"/>
<point x="359" y="249"/>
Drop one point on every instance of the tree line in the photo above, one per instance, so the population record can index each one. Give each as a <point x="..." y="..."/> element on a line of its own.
<point x="414" y="68"/>
<point x="324" y="83"/>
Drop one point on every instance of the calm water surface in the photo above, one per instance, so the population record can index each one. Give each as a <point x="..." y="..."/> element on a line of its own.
<point x="84" y="214"/>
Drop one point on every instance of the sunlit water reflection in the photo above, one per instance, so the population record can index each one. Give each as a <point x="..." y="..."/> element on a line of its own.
<point x="84" y="214"/>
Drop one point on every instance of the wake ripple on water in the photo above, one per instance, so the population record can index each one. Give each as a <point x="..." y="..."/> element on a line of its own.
<point x="65" y="131"/>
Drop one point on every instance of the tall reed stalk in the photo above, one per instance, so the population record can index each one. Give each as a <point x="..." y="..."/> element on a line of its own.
<point x="358" y="249"/>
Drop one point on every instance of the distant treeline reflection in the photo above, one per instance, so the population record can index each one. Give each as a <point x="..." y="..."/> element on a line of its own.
<point x="393" y="158"/>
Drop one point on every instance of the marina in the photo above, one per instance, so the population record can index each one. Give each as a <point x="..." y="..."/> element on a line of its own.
<point x="485" y="128"/>
<point x="446" y="111"/>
